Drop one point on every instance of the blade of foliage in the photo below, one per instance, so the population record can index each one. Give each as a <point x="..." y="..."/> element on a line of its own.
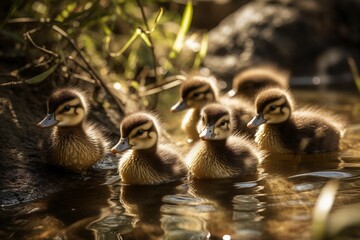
<point x="158" y="17"/>
<point x="42" y="76"/>
<point x="202" y="52"/>
<point x="322" y="209"/>
<point x="354" y="71"/>
<point x="145" y="39"/>
<point x="66" y="12"/>
<point x="184" y="28"/>
<point x="128" y="44"/>
<point x="13" y="9"/>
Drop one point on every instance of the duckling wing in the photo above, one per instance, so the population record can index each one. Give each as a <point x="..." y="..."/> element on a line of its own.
<point x="243" y="155"/>
<point x="170" y="161"/>
<point x="316" y="132"/>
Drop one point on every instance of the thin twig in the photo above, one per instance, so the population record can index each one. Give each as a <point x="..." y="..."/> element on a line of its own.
<point x="28" y="37"/>
<point x="152" y="48"/>
<point x="162" y="88"/>
<point x="80" y="65"/>
<point x="119" y="103"/>
<point x="10" y="84"/>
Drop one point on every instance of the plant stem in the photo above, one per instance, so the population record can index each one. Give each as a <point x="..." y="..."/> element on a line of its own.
<point x="152" y="49"/>
<point x="98" y="79"/>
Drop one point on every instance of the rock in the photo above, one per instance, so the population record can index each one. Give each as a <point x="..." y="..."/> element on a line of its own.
<point x="288" y="33"/>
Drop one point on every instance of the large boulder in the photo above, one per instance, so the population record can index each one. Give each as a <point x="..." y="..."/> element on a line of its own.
<point x="287" y="33"/>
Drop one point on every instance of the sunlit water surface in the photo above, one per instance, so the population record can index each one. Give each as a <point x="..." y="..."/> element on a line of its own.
<point x="276" y="204"/>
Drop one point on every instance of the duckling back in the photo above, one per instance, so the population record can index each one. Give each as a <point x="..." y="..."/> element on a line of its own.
<point x="148" y="167"/>
<point x="249" y="82"/>
<point x="76" y="148"/>
<point x="233" y="157"/>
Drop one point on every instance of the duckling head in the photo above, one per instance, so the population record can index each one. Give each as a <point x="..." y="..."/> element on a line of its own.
<point x="195" y="93"/>
<point x="215" y="123"/>
<point x="138" y="131"/>
<point x="65" y="108"/>
<point x="273" y="106"/>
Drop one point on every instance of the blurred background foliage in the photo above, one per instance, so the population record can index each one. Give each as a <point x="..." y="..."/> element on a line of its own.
<point x="129" y="47"/>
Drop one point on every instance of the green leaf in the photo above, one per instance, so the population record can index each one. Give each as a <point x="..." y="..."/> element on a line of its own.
<point x="158" y="16"/>
<point x="66" y="12"/>
<point x="42" y="76"/>
<point x="146" y="39"/>
<point x="128" y="44"/>
<point x="184" y="28"/>
<point x="12" y="10"/>
<point x="202" y="52"/>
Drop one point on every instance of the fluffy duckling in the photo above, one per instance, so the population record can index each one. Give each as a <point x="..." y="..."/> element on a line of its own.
<point x="147" y="162"/>
<point x="195" y="93"/>
<point x="221" y="154"/>
<point x="249" y="82"/>
<point x="74" y="143"/>
<point x="284" y="131"/>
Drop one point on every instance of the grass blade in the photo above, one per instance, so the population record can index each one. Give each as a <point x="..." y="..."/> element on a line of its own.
<point x="42" y="76"/>
<point x="128" y="44"/>
<point x="322" y="209"/>
<point x="354" y="71"/>
<point x="184" y="28"/>
<point x="202" y="52"/>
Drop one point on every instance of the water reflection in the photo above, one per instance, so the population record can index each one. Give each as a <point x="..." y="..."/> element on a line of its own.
<point x="133" y="212"/>
<point x="214" y="209"/>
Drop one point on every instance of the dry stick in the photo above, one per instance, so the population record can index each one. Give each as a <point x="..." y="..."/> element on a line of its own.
<point x="118" y="102"/>
<point x="152" y="49"/>
<point x="28" y="37"/>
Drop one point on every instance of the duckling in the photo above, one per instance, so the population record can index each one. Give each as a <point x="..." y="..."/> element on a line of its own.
<point x="221" y="154"/>
<point x="75" y="143"/>
<point x="284" y="131"/>
<point x="196" y="92"/>
<point x="249" y="82"/>
<point x="147" y="162"/>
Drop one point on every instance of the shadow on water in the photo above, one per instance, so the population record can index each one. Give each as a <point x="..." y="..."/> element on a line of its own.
<point x="276" y="204"/>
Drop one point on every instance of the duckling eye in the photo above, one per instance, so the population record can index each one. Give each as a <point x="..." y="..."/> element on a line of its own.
<point x="196" y="94"/>
<point x="67" y="108"/>
<point x="140" y="132"/>
<point x="223" y="123"/>
<point x="273" y="107"/>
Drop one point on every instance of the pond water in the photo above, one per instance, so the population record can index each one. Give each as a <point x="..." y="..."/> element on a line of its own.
<point x="278" y="203"/>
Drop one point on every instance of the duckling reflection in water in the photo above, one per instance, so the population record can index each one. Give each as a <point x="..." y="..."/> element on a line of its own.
<point x="249" y="82"/>
<point x="221" y="154"/>
<point x="195" y="93"/>
<point x="283" y="131"/>
<point x="147" y="162"/>
<point x="75" y="143"/>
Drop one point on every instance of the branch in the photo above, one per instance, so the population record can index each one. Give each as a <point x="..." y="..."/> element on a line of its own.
<point x="98" y="79"/>
<point x="152" y="49"/>
<point x="28" y="37"/>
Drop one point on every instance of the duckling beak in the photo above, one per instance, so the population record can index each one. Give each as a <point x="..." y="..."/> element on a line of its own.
<point x="121" y="146"/>
<point x="207" y="133"/>
<point x="256" y="121"/>
<point x="179" y="106"/>
<point x="48" y="121"/>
